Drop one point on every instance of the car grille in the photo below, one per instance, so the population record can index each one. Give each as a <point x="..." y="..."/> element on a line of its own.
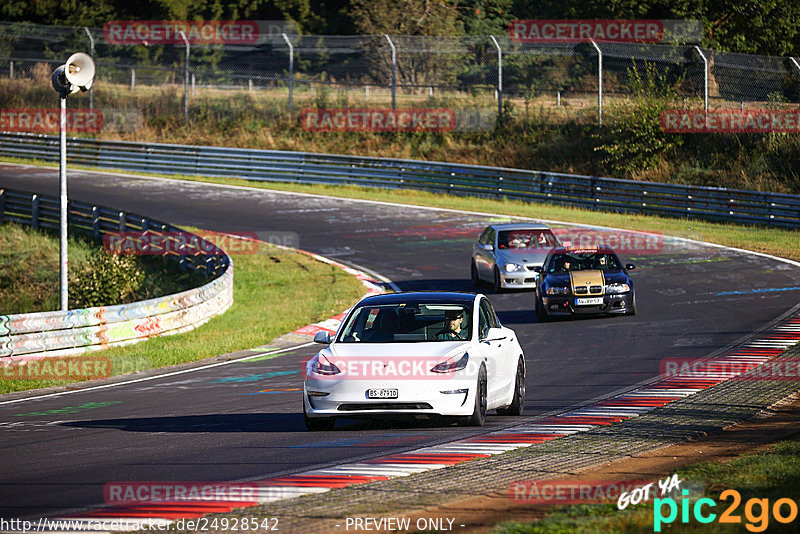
<point x="581" y="290"/>
<point x="596" y="289"/>
<point x="384" y="406"/>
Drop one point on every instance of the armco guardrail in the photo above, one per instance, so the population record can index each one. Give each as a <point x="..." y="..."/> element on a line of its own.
<point x="731" y="205"/>
<point x="61" y="333"/>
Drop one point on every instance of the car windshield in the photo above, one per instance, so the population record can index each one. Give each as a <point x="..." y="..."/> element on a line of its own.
<point x="408" y="323"/>
<point x="583" y="261"/>
<point x="526" y="239"/>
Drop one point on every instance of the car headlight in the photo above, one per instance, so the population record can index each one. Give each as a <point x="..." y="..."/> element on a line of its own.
<point x="617" y="288"/>
<point x="321" y="366"/>
<point x="558" y="291"/>
<point x="450" y="366"/>
<point x="512" y="267"/>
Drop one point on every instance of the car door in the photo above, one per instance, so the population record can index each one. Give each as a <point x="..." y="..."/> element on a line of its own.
<point x="491" y="352"/>
<point x="506" y="351"/>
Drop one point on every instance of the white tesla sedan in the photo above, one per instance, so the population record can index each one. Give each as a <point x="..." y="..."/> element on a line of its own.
<point x="439" y="354"/>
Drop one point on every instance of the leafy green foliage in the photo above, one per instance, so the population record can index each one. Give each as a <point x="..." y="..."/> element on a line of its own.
<point x="104" y="280"/>
<point x="635" y="140"/>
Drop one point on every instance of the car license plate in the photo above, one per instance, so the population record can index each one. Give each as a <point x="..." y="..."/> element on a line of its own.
<point x="382" y="393"/>
<point x="592" y="301"/>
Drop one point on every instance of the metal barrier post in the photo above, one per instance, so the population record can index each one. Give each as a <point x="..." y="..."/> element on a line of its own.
<point x="185" y="80"/>
<point x="599" y="83"/>
<point x="291" y="70"/>
<point x="91" y="49"/>
<point x="394" y="72"/>
<point x="35" y="212"/>
<point x="499" y="78"/>
<point x="11" y="70"/>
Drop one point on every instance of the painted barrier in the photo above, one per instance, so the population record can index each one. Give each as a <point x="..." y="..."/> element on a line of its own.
<point x="62" y="333"/>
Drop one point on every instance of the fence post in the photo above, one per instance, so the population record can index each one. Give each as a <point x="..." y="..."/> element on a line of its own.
<point x="11" y="70"/>
<point x="35" y="212"/>
<point x="133" y="78"/>
<point x="95" y="222"/>
<point x="91" y="48"/>
<point x="291" y="71"/>
<point x="705" y="82"/>
<point x="185" y="80"/>
<point x="599" y="83"/>
<point x="499" y="78"/>
<point x="394" y="72"/>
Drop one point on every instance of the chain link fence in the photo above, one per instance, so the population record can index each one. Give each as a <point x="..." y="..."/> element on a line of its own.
<point x="279" y="75"/>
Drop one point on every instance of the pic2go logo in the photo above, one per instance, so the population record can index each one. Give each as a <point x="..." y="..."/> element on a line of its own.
<point x="756" y="511"/>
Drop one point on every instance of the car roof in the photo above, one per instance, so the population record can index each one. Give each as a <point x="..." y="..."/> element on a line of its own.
<point x="420" y="297"/>
<point x="521" y="226"/>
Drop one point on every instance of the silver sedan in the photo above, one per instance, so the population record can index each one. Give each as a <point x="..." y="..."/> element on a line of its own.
<point x="507" y="254"/>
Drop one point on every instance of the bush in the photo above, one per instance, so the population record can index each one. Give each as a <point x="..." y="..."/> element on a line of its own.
<point x="635" y="142"/>
<point x="106" y="279"/>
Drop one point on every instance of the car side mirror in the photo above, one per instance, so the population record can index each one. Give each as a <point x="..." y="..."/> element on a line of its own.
<point x="630" y="267"/>
<point x="494" y="334"/>
<point x="322" y="337"/>
<point x="538" y="269"/>
<point x="487" y="247"/>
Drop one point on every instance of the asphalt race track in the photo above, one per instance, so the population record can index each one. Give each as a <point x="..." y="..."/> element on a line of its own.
<point x="219" y="424"/>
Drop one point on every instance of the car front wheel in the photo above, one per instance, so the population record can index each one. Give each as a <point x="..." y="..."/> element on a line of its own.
<point x="518" y="403"/>
<point x="478" y="417"/>
<point x="541" y="313"/>
<point x="497" y="286"/>
<point x="473" y="272"/>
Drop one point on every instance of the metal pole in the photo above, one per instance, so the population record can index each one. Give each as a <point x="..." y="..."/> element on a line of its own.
<point x="62" y="177"/>
<point x="133" y="79"/>
<point x="599" y="84"/>
<point x="394" y="72"/>
<point x="705" y="80"/>
<point x="91" y="89"/>
<point x="185" y="80"/>
<point x="10" y="70"/>
<point x="499" y="78"/>
<point x="291" y="71"/>
<point x="793" y="60"/>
